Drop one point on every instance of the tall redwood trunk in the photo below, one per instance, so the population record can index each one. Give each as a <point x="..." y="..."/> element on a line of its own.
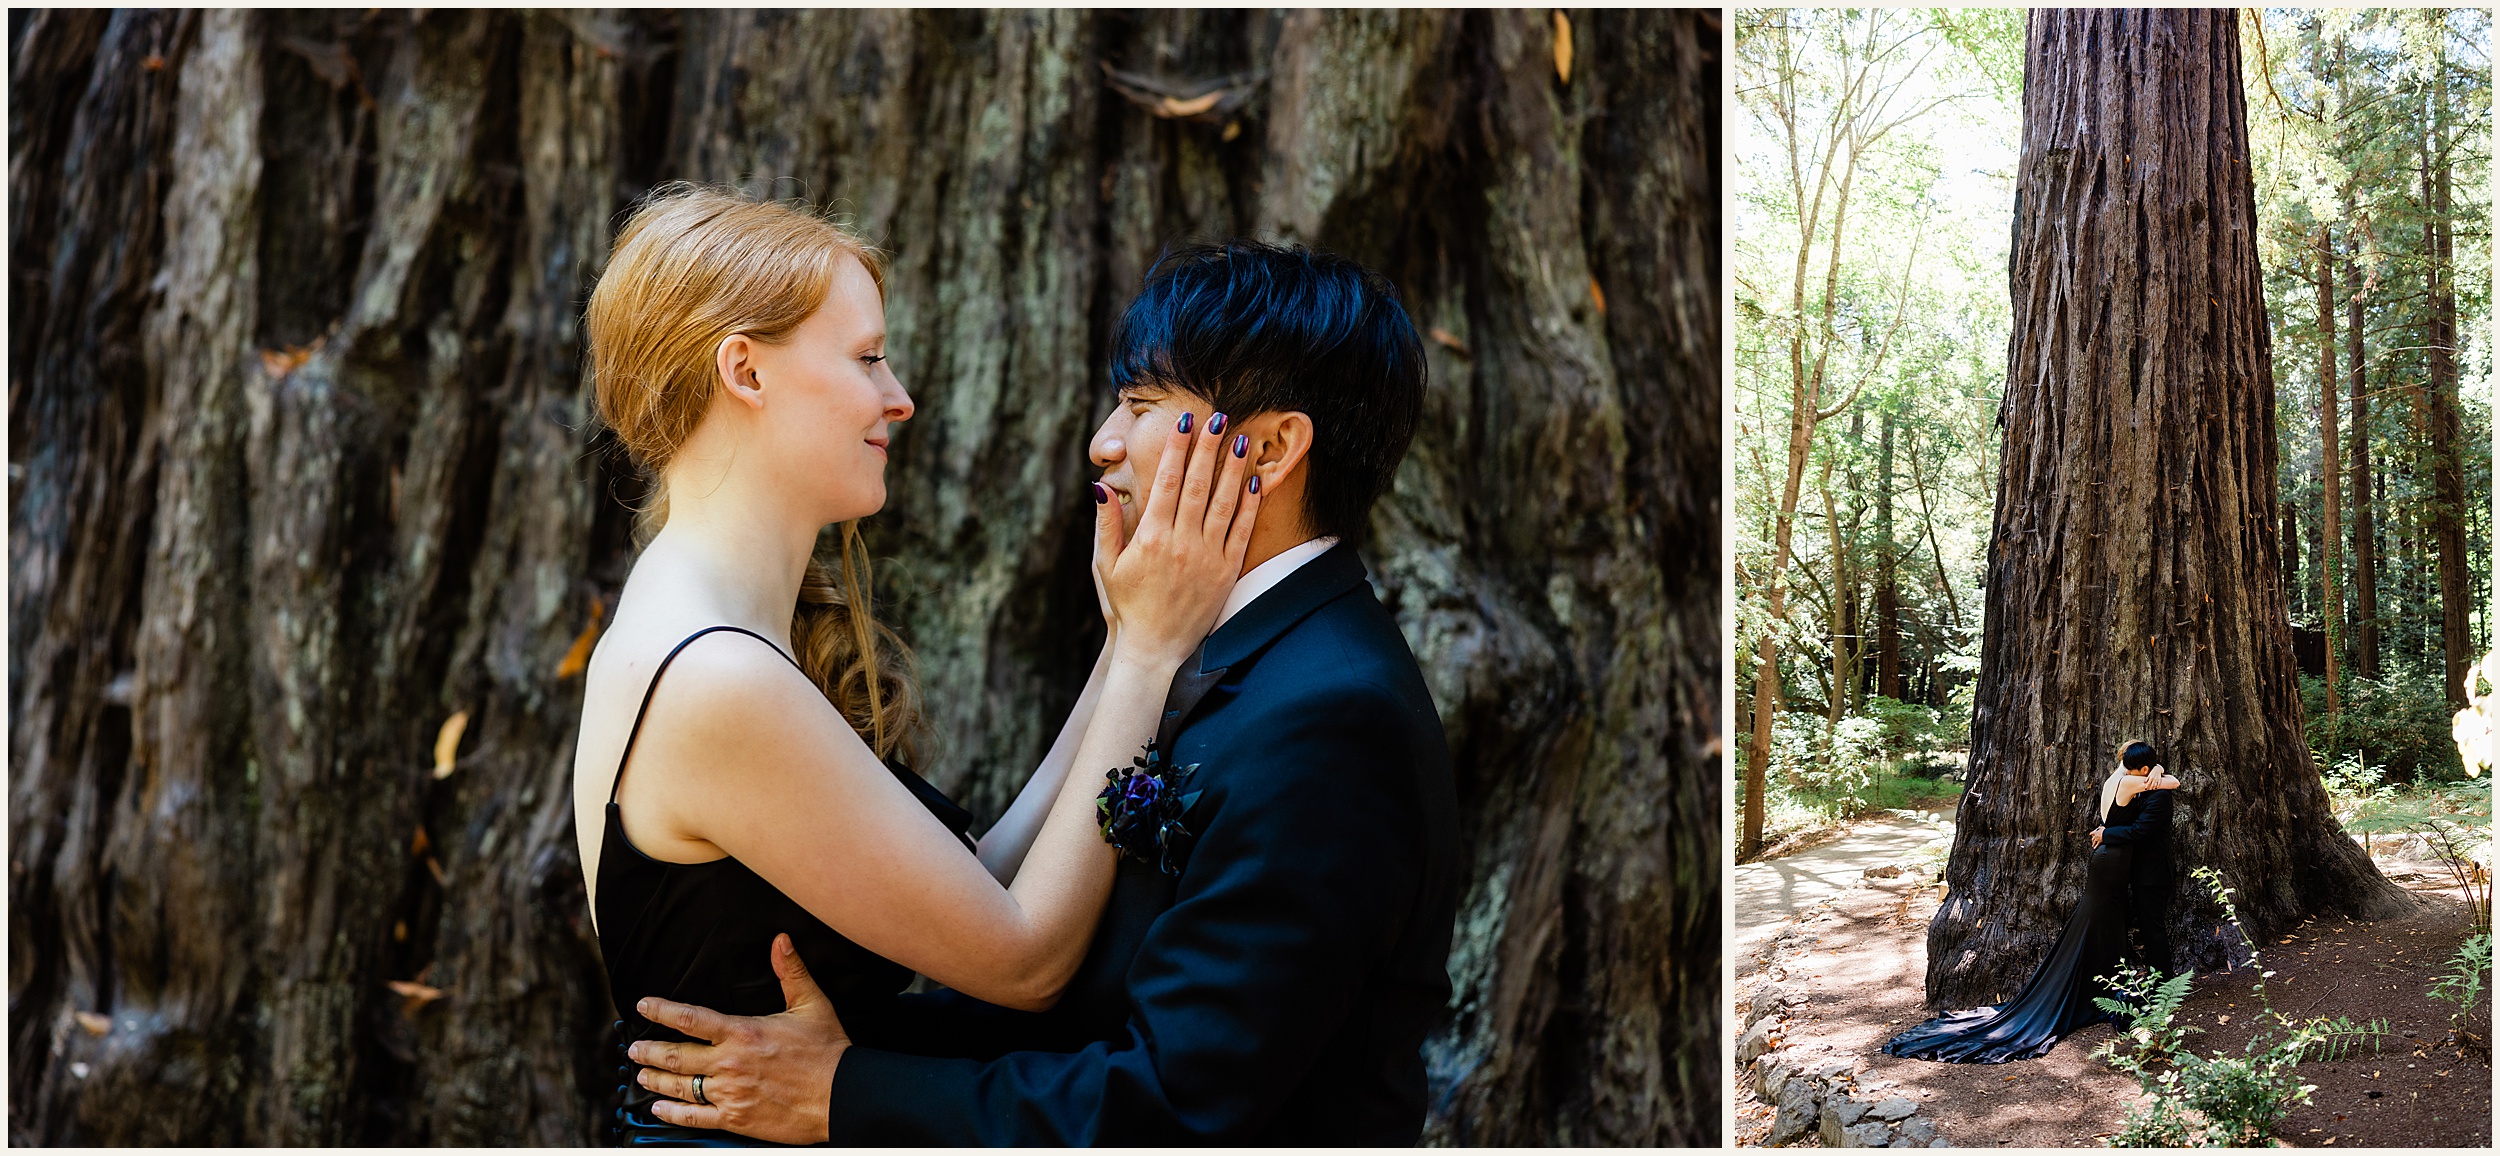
<point x="2364" y="513"/>
<point x="2132" y="588"/>
<point x="2447" y="466"/>
<point x="1887" y="583"/>
<point x="302" y="466"/>
<point x="2330" y="474"/>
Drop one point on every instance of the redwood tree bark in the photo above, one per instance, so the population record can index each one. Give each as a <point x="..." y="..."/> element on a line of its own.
<point x="2331" y="475"/>
<point x="2364" y="500"/>
<point x="2133" y="589"/>
<point x="2447" y="466"/>
<point x="302" y="466"/>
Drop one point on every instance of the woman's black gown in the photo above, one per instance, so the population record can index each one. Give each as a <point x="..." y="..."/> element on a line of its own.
<point x="702" y="934"/>
<point x="2058" y="999"/>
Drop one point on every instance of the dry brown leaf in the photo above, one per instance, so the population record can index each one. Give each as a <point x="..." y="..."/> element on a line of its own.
<point x="281" y="362"/>
<point x="96" y="1025"/>
<point x="418" y="845"/>
<point x="1176" y="108"/>
<point x="414" y="995"/>
<point x="1449" y="340"/>
<point x="1562" y="46"/>
<point x="447" y="743"/>
<point x="441" y="878"/>
<point x="577" y="659"/>
<point x="1598" y="295"/>
<point x="1232" y="131"/>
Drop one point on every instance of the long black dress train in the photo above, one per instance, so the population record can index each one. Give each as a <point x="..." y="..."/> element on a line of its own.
<point x="702" y="933"/>
<point x="2057" y="1000"/>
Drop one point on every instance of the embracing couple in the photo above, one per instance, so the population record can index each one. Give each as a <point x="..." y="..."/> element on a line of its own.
<point x="2127" y="885"/>
<point x="1219" y="909"/>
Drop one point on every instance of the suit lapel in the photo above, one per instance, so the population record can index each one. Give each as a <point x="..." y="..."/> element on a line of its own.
<point x="1317" y="583"/>
<point x="1189" y="687"/>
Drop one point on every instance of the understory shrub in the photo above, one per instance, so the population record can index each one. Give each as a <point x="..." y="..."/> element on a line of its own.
<point x="2399" y="721"/>
<point x="2218" y="1100"/>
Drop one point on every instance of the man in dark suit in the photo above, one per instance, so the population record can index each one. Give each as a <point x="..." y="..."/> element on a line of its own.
<point x="2150" y="876"/>
<point x="1275" y="983"/>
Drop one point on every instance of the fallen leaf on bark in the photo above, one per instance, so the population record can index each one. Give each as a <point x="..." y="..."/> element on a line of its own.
<point x="1562" y="46"/>
<point x="96" y="1025"/>
<point x="447" y="743"/>
<point x="416" y="995"/>
<point x="577" y="659"/>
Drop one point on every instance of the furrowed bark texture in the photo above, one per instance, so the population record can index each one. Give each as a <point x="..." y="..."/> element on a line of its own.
<point x="303" y="466"/>
<point x="2133" y="589"/>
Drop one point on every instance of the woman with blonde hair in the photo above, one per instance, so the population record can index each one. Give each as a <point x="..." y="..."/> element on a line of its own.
<point x="737" y="349"/>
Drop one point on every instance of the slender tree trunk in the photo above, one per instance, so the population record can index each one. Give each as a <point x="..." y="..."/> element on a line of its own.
<point x="1842" y="620"/>
<point x="2364" y="500"/>
<point x="2330" y="473"/>
<point x="302" y="467"/>
<point x="1887" y="584"/>
<point x="2291" y="558"/>
<point x="2132" y="591"/>
<point x="2456" y="605"/>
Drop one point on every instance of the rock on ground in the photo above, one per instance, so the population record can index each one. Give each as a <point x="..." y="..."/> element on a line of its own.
<point x="1895" y="1108"/>
<point x="1798" y="1108"/>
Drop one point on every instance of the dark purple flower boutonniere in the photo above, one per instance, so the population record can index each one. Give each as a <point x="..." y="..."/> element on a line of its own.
<point x="1141" y="808"/>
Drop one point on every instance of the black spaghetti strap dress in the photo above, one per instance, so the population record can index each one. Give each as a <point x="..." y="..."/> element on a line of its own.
<point x="2058" y="999"/>
<point x="702" y="933"/>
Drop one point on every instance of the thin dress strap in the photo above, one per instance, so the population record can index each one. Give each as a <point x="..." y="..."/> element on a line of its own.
<point x="618" y="779"/>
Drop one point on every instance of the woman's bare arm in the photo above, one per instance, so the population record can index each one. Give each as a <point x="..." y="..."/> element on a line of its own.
<point x="786" y="787"/>
<point x="1004" y="845"/>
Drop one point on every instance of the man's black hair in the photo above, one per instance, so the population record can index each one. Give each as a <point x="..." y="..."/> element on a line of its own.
<point x="2139" y="756"/>
<point x="1257" y="328"/>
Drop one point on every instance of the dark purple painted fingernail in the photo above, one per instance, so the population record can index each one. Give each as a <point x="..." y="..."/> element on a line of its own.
<point x="1215" y="428"/>
<point x="1184" y="426"/>
<point x="1101" y="495"/>
<point x="1254" y="483"/>
<point x="1241" y="444"/>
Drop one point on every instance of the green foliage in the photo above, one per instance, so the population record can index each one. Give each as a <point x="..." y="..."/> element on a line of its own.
<point x="1820" y="774"/>
<point x="2398" y="722"/>
<point x="2452" y="819"/>
<point x="2158" y="1122"/>
<point x="2462" y="984"/>
<point x="1908" y="729"/>
<point x="2217" y="1100"/>
<point x="2150" y="1006"/>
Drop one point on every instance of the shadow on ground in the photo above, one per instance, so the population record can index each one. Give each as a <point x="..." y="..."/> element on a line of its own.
<point x="1858" y="957"/>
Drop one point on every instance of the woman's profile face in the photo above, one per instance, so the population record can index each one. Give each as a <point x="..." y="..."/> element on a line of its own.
<point x="831" y="399"/>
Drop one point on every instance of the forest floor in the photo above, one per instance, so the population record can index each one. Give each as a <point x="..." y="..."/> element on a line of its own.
<point x="1858" y="958"/>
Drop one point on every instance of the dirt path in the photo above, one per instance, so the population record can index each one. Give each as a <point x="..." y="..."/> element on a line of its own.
<point x="1771" y="892"/>
<point x="1856" y="963"/>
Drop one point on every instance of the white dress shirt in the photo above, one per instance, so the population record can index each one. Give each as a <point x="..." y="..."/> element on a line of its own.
<point x="1264" y="576"/>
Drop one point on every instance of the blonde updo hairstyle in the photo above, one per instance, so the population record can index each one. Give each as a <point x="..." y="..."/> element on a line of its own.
<point x="693" y="265"/>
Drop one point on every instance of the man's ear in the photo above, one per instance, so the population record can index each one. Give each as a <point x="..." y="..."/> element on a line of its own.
<point x="735" y="362"/>
<point x="1281" y="446"/>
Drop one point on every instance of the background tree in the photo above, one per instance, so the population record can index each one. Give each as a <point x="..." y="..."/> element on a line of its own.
<point x="1828" y="89"/>
<point x="2356" y="118"/>
<point x="2133" y="586"/>
<point x="310" y="533"/>
<point x="1859" y="617"/>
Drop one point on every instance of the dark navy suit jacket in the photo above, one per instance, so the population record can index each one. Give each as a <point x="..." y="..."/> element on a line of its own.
<point x="1278" y="990"/>
<point x="2149" y="834"/>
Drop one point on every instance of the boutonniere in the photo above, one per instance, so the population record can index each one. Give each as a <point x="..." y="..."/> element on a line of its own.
<point x="1141" y="808"/>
